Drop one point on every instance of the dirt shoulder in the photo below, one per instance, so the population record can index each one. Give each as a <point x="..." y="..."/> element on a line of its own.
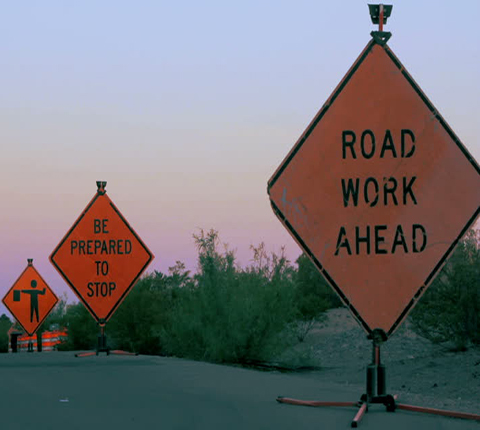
<point x="419" y="371"/>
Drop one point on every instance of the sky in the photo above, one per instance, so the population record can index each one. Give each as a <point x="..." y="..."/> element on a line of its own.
<point x="187" y="108"/>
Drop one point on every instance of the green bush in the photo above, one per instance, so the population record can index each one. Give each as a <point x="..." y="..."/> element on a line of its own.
<point x="313" y="296"/>
<point x="137" y="324"/>
<point x="81" y="327"/>
<point x="132" y="325"/>
<point x="228" y="314"/>
<point x="223" y="313"/>
<point x="450" y="308"/>
<point x="56" y="318"/>
<point x="5" y="325"/>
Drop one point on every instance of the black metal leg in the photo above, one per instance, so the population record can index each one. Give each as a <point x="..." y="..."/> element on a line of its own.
<point x="102" y="346"/>
<point x="377" y="393"/>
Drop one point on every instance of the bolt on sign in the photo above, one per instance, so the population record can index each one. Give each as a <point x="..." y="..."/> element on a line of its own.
<point x="30" y="299"/>
<point x="378" y="190"/>
<point x="101" y="256"/>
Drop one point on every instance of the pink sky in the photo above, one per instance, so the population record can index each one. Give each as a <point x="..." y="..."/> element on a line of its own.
<point x="187" y="123"/>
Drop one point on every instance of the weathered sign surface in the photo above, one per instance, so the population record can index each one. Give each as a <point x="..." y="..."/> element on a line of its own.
<point x="101" y="257"/>
<point x="378" y="190"/>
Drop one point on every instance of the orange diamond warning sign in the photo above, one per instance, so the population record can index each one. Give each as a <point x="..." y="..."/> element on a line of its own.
<point x="378" y="190"/>
<point x="30" y="299"/>
<point x="101" y="257"/>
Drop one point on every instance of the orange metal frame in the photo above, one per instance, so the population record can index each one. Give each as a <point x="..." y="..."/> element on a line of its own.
<point x="376" y="393"/>
<point x="363" y="405"/>
<point x="376" y="380"/>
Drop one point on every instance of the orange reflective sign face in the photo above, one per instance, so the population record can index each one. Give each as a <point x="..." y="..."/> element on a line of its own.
<point x="378" y="190"/>
<point x="30" y="300"/>
<point x="101" y="257"/>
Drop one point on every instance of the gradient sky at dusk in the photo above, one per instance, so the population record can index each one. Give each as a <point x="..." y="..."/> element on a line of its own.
<point x="187" y="108"/>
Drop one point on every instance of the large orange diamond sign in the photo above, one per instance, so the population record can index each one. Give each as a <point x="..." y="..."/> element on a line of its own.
<point x="378" y="190"/>
<point x="30" y="299"/>
<point x="101" y="257"/>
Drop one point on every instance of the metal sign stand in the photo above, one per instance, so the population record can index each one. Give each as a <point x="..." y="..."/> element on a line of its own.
<point x="120" y="241"/>
<point x="376" y="392"/>
<point x="102" y="337"/>
<point x="102" y="345"/>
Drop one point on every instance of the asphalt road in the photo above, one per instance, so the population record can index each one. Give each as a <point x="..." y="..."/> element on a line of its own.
<point x="58" y="391"/>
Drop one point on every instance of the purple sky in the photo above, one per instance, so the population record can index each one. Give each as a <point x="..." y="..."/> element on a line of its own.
<point x="187" y="109"/>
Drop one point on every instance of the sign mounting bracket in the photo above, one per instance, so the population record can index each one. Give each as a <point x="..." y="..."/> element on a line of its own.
<point x="379" y="13"/>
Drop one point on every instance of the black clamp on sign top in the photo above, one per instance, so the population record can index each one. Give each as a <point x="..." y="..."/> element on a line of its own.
<point x="101" y="187"/>
<point x="379" y="13"/>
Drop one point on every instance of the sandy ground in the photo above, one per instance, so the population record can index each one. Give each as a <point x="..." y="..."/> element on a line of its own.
<point x="420" y="372"/>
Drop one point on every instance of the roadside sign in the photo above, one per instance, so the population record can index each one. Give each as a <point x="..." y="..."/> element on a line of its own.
<point x="30" y="299"/>
<point x="101" y="257"/>
<point x="378" y="190"/>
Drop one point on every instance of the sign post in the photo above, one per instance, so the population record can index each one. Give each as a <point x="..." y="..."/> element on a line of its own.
<point x="377" y="192"/>
<point x="101" y="257"/>
<point x="30" y="300"/>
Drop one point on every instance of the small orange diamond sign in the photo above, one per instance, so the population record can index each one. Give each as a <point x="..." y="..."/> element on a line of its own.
<point x="30" y="299"/>
<point x="378" y="190"/>
<point x="101" y="257"/>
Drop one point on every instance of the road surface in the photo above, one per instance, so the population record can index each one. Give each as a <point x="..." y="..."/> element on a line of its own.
<point x="58" y="391"/>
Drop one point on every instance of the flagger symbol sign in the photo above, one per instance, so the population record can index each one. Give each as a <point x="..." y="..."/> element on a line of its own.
<point x="30" y="299"/>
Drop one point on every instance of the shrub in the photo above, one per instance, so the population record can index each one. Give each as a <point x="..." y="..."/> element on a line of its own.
<point x="137" y="324"/>
<point x="5" y="325"/>
<point x="56" y="318"/>
<point x="450" y="308"/>
<point x="229" y="314"/>
<point x="82" y="329"/>
<point x="313" y="296"/>
<point x="222" y="314"/>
